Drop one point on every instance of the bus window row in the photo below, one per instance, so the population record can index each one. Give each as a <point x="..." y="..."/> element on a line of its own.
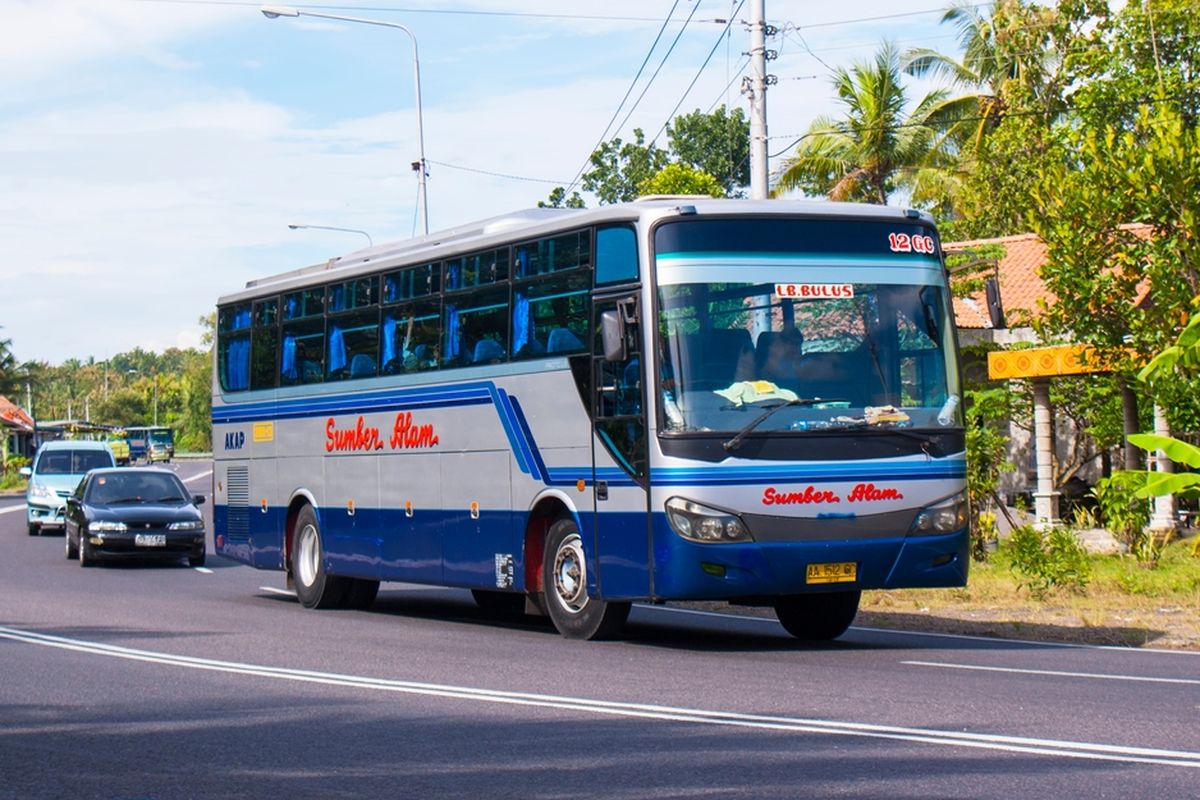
<point x="488" y="326"/>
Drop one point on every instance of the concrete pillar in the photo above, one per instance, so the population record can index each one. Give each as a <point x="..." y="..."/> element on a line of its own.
<point x="1164" y="517"/>
<point x="1045" y="499"/>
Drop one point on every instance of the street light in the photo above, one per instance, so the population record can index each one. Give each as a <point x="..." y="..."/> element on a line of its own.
<point x="274" y="12"/>
<point x="331" y="228"/>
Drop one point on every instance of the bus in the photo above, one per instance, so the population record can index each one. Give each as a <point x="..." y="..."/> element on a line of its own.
<point x="151" y="442"/>
<point x="568" y="411"/>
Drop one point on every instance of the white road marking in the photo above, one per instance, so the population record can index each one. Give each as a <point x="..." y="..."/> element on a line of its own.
<point x="1012" y="744"/>
<point x="964" y="637"/>
<point x="11" y="509"/>
<point x="1054" y="673"/>
<point x="204" y="474"/>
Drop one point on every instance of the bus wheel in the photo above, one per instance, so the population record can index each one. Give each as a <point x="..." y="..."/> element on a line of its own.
<point x="817" y="617"/>
<point x="314" y="587"/>
<point x="573" y="612"/>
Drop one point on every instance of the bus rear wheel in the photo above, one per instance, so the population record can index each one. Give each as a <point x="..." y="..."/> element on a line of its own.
<point x="315" y="588"/>
<point x="817" y="617"/>
<point x="564" y="571"/>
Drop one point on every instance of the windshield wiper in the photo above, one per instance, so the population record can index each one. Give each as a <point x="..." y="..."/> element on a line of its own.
<point x="120" y="500"/>
<point x="926" y="440"/>
<point x="736" y="441"/>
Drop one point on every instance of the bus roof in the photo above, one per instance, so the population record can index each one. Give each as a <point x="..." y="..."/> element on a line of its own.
<point x="537" y="222"/>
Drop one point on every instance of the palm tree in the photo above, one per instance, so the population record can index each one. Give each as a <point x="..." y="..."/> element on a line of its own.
<point x="9" y="378"/>
<point x="875" y="148"/>
<point x="1004" y="52"/>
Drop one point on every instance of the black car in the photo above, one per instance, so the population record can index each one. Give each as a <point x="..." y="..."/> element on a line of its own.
<point x="134" y="512"/>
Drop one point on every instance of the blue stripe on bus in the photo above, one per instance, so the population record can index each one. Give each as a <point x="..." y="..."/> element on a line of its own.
<point x="519" y="449"/>
<point x="535" y="454"/>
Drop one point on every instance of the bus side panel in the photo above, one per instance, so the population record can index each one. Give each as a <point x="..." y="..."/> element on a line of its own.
<point x="478" y="531"/>
<point x="410" y="492"/>
<point x="622" y="548"/>
<point x="350" y="515"/>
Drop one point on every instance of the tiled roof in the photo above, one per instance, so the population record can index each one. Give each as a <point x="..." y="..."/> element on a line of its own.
<point x="1019" y="273"/>
<point x="12" y="415"/>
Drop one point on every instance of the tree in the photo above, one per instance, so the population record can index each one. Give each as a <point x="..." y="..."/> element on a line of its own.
<point x="618" y="167"/>
<point x="875" y="148"/>
<point x="558" y="199"/>
<point x="717" y="144"/>
<point x="681" y="179"/>
<point x="10" y="379"/>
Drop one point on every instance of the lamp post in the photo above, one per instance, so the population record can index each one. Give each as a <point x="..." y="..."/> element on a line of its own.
<point x="274" y="12"/>
<point x="331" y="228"/>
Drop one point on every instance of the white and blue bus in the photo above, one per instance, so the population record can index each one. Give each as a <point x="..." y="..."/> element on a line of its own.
<point x="566" y="411"/>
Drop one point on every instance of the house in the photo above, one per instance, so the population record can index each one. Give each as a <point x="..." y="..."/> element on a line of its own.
<point x="1001" y="314"/>
<point x="16" y="431"/>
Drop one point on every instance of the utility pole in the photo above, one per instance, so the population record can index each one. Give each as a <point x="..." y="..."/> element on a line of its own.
<point x="755" y="86"/>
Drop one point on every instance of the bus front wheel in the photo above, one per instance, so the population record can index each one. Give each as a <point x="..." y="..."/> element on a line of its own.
<point x="564" y="571"/>
<point x="817" y="617"/>
<point x="315" y="588"/>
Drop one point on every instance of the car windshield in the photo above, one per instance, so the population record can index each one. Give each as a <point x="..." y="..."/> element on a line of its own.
<point x="826" y="323"/>
<point x="160" y="437"/>
<point x="136" y="487"/>
<point x="72" y="462"/>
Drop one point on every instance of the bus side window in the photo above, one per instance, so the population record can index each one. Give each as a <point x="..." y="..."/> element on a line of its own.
<point x="616" y="255"/>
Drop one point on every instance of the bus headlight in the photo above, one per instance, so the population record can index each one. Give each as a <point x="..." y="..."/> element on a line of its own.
<point x="946" y="516"/>
<point x="703" y="524"/>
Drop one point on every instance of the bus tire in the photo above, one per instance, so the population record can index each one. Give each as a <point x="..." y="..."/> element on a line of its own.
<point x="817" y="617"/>
<point x="361" y="593"/>
<point x="315" y="588"/>
<point x="564" y="573"/>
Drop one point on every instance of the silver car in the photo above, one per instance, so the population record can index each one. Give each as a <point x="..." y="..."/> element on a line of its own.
<point x="57" y="469"/>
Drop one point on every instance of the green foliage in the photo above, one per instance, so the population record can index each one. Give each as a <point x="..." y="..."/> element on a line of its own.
<point x="10" y="477"/>
<point x="717" y="144"/>
<point x="618" y="167"/>
<point x="1044" y="560"/>
<point x="1123" y="508"/>
<point x="558" y="199"/>
<point x="987" y="445"/>
<point x="875" y="148"/>
<point x="681" y="179"/>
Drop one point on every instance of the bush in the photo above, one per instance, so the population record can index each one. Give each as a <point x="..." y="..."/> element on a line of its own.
<point x="1125" y="514"/>
<point x="1044" y="560"/>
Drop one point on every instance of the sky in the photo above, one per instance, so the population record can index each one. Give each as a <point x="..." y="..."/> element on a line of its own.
<point x="154" y="152"/>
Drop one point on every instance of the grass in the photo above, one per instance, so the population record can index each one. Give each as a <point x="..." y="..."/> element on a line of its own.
<point x="1124" y="604"/>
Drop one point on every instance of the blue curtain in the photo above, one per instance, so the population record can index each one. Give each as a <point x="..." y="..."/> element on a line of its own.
<point x="237" y="364"/>
<point x="453" y="345"/>
<point x="521" y="323"/>
<point x="287" y="366"/>
<point x="242" y="318"/>
<point x="337" y="349"/>
<point x="389" y="341"/>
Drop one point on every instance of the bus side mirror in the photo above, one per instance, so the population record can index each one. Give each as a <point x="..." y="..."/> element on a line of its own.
<point x="612" y="333"/>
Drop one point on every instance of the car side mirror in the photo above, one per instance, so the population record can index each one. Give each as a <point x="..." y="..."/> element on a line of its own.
<point x="26" y="472"/>
<point x="197" y="499"/>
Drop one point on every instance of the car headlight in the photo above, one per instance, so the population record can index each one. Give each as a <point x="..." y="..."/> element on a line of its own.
<point x="107" y="526"/>
<point x="39" y="491"/>
<point x="190" y="525"/>
<point x="703" y="524"/>
<point x="945" y="516"/>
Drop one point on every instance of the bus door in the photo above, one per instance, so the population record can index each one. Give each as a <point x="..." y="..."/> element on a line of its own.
<point x="619" y="454"/>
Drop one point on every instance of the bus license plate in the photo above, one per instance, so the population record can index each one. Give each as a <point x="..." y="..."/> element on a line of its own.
<point x="838" y="572"/>
<point x="150" y="540"/>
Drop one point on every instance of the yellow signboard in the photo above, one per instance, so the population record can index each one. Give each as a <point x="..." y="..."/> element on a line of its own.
<point x="1046" y="362"/>
<point x="264" y="431"/>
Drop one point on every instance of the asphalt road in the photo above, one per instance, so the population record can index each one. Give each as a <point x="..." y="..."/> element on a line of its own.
<point x="162" y="681"/>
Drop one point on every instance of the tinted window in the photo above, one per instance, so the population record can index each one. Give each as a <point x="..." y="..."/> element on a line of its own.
<point x="408" y="284"/>
<point x="570" y="251"/>
<point x="302" y="353"/>
<point x="302" y="304"/>
<point x="72" y="462"/>
<point x="477" y="269"/>
<point x="233" y="349"/>
<point x="410" y="337"/>
<point x="616" y="255"/>
<point x="476" y="328"/>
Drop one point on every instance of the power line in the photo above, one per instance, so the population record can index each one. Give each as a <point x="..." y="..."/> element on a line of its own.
<point x="495" y="174"/>
<point x="628" y="91"/>
<point x="645" y="88"/>
<point x="700" y="71"/>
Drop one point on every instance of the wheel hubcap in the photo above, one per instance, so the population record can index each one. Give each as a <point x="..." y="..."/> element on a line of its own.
<point x="570" y="574"/>
<point x="307" y="555"/>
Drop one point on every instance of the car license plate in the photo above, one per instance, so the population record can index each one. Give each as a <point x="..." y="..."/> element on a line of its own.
<point x="837" y="572"/>
<point x="150" y="539"/>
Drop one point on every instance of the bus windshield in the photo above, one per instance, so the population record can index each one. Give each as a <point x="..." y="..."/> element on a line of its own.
<point x="831" y="343"/>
